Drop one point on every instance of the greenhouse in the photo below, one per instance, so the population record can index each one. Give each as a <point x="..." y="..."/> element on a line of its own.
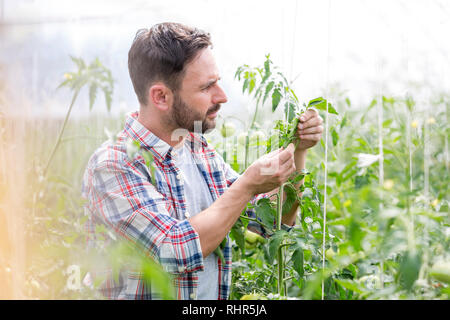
<point x="212" y="150"/>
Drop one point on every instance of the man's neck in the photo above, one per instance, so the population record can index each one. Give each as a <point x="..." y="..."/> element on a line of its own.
<point x="172" y="136"/>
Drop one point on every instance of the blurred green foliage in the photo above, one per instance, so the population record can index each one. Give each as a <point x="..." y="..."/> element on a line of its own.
<point x="383" y="241"/>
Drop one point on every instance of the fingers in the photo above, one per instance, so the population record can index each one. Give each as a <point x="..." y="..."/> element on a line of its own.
<point x="311" y="137"/>
<point x="280" y="159"/>
<point x="316" y="129"/>
<point x="286" y="169"/>
<point x="274" y="153"/>
<point x="310" y="113"/>
<point x="313" y="121"/>
<point x="287" y="153"/>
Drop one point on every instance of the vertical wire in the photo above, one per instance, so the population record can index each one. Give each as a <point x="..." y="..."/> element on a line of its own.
<point x="426" y="150"/>
<point x="286" y="116"/>
<point x="326" y="152"/>
<point x="447" y="160"/>
<point x="293" y="37"/>
<point x="408" y="137"/>
<point x="380" y="151"/>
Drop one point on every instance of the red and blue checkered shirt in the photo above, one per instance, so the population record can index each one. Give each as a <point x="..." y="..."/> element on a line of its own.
<point x="151" y="214"/>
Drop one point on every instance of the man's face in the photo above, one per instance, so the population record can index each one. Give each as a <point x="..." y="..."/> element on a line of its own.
<point x="200" y="96"/>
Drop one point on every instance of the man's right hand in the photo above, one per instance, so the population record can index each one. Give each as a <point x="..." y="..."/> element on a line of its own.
<point x="270" y="171"/>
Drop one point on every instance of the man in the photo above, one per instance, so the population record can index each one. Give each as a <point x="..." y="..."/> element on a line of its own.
<point x="182" y="216"/>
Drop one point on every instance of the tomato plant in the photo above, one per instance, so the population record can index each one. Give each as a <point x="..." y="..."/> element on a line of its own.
<point x="384" y="239"/>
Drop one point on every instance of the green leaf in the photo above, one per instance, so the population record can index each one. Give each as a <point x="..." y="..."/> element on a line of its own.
<point x="64" y="83"/>
<point x="343" y="122"/>
<point x="349" y="285"/>
<point x="108" y="99"/>
<point x="334" y="136"/>
<point x="293" y="94"/>
<point x="245" y="86"/>
<point x="372" y="104"/>
<point x="218" y="251"/>
<point x="316" y="101"/>
<point x="276" y="97"/>
<point x="154" y="274"/>
<point x="409" y="269"/>
<point x="268" y="89"/>
<point x="238" y="73"/>
<point x="289" y="110"/>
<point x="321" y="104"/>
<point x="238" y="234"/>
<point x="92" y="95"/>
<point x="323" y="107"/>
<point x="291" y="197"/>
<point x="79" y="62"/>
<point x="297" y="178"/>
<point x="297" y="258"/>
<point x="265" y="212"/>
<point x="267" y="64"/>
<point x="387" y="123"/>
<point x="251" y="85"/>
<point x="356" y="235"/>
<point x="348" y="102"/>
<point x="274" y="243"/>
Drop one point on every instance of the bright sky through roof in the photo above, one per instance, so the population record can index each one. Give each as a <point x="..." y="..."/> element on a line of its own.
<point x="408" y="39"/>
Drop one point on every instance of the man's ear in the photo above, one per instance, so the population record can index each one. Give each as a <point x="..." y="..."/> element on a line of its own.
<point x="160" y="96"/>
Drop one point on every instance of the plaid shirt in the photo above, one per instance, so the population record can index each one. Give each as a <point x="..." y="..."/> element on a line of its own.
<point x="121" y="196"/>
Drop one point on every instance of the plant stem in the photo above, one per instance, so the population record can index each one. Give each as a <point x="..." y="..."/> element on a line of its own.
<point x="254" y="117"/>
<point x="280" y="248"/>
<point x="252" y="219"/>
<point x="287" y="244"/>
<point x="58" y="141"/>
<point x="224" y="155"/>
<point x="246" y="152"/>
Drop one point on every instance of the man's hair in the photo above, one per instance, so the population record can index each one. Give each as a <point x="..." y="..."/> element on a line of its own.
<point x="161" y="54"/>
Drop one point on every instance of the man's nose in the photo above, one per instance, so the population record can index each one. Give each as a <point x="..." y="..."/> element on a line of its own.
<point x="220" y="96"/>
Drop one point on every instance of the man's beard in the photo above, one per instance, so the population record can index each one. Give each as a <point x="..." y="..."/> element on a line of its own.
<point x="183" y="116"/>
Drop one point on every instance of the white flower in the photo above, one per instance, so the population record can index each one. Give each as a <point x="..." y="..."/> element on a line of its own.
<point x="109" y="134"/>
<point x="87" y="281"/>
<point x="132" y="149"/>
<point x="365" y="159"/>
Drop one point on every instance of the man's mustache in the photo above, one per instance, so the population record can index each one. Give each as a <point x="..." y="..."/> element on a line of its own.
<point x="213" y="109"/>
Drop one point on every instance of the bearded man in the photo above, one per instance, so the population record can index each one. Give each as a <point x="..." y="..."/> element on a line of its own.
<point x="181" y="213"/>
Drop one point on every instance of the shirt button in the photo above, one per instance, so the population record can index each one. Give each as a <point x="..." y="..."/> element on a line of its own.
<point x="181" y="269"/>
<point x="179" y="176"/>
<point x="187" y="214"/>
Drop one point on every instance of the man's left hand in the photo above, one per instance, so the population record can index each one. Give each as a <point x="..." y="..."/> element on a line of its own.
<point x="309" y="129"/>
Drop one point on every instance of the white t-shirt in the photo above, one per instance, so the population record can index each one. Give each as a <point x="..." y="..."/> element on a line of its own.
<point x="198" y="198"/>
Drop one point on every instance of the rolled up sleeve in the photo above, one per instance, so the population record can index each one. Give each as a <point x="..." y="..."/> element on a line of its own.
<point x="231" y="176"/>
<point x="123" y="198"/>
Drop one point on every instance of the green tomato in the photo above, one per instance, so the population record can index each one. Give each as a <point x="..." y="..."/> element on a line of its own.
<point x="329" y="254"/>
<point x="370" y="281"/>
<point x="252" y="237"/>
<point x="441" y="271"/>
<point x="241" y="138"/>
<point x="252" y="296"/>
<point x="249" y="245"/>
<point x="258" y="137"/>
<point x="228" y="129"/>
<point x="307" y="254"/>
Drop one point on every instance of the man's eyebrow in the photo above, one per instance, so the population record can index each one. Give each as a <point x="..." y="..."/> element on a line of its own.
<point x="210" y="82"/>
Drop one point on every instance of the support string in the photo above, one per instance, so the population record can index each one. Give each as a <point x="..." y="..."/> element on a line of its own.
<point x="326" y="153"/>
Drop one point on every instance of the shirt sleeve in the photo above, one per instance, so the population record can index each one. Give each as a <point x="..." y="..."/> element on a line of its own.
<point x="231" y="176"/>
<point x="122" y="197"/>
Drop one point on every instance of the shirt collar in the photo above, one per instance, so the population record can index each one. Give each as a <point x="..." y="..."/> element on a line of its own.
<point x="149" y="141"/>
